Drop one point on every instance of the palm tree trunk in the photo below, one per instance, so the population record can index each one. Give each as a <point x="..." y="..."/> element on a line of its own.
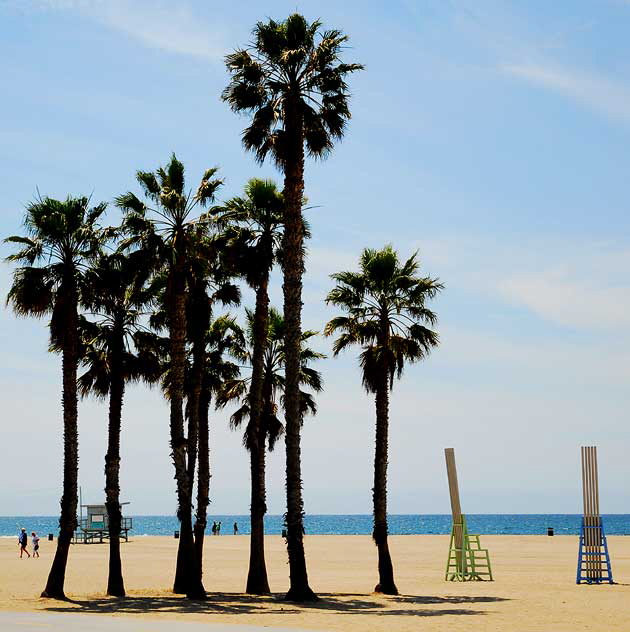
<point x="115" y="583"/>
<point x="257" y="581"/>
<point x="192" y="410"/>
<point x="386" y="583"/>
<point x="203" y="480"/>
<point x="293" y="267"/>
<point x="187" y="573"/>
<point x="68" y="518"/>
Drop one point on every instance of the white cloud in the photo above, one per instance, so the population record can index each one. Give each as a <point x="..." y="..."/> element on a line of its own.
<point x="168" y="26"/>
<point x="571" y="302"/>
<point x="580" y="284"/>
<point x="599" y="93"/>
<point x="556" y="361"/>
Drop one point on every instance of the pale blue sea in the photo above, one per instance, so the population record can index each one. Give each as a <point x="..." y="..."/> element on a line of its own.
<point x="514" y="524"/>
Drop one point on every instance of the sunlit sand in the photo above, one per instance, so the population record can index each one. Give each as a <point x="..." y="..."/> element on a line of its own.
<point x="534" y="587"/>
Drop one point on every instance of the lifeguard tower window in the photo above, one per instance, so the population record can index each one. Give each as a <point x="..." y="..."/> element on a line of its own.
<point x="94" y="527"/>
<point x="97" y="521"/>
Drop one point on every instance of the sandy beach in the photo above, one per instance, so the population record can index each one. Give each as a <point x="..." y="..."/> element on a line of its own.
<point x="534" y="587"/>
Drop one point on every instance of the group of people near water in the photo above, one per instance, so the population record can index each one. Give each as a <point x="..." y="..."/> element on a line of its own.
<point x="23" y="543"/>
<point x="216" y="528"/>
<point x="23" y="539"/>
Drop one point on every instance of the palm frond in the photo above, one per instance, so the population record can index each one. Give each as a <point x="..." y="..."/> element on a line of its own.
<point x="33" y="291"/>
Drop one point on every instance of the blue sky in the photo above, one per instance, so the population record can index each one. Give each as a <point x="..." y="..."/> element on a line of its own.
<point x="492" y="136"/>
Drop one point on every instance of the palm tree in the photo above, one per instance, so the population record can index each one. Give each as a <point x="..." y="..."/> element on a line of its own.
<point x="208" y="282"/>
<point x="164" y="229"/>
<point x="62" y="236"/>
<point x="253" y="226"/>
<point x="223" y="337"/>
<point x="269" y="428"/>
<point x="386" y="306"/>
<point x="117" y="349"/>
<point x="292" y="83"/>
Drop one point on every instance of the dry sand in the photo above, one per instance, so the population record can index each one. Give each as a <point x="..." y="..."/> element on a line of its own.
<point x="534" y="587"/>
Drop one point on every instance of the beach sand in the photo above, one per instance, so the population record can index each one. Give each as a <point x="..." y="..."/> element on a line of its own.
<point x="534" y="587"/>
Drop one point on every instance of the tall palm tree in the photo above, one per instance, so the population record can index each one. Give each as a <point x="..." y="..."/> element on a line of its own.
<point x="268" y="426"/>
<point x="62" y="236"/>
<point x="164" y="229"/>
<point x="208" y="282"/>
<point x="386" y="316"/>
<point x="293" y="84"/>
<point x="253" y="226"/>
<point x="117" y="349"/>
<point x="223" y="338"/>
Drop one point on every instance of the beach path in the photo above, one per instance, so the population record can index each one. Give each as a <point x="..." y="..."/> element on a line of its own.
<point x="42" y="622"/>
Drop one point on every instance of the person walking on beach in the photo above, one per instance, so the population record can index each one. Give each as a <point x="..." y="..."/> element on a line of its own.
<point x="35" y="541"/>
<point x="219" y="528"/>
<point x="23" y="540"/>
<point x="235" y="528"/>
<point x="214" y="528"/>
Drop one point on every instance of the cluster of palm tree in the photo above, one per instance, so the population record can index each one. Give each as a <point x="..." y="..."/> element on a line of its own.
<point x="139" y="302"/>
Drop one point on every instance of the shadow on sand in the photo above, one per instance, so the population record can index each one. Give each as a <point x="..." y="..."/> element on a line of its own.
<point x="238" y="603"/>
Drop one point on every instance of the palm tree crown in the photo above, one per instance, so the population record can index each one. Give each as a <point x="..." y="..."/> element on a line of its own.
<point x="62" y="237"/>
<point x="224" y="340"/>
<point x="295" y="64"/>
<point x="165" y="225"/>
<point x="237" y="390"/>
<point x="119" y="302"/>
<point x="252" y="226"/>
<point x="387" y="313"/>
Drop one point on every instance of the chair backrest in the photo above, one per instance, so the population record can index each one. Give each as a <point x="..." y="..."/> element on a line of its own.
<point x="453" y="489"/>
<point x="590" y="482"/>
<point x="453" y="485"/>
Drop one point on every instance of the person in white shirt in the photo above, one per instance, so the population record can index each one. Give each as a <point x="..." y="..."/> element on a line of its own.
<point x="35" y="540"/>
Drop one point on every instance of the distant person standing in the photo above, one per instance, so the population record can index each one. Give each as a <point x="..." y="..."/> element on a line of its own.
<point x="214" y="528"/>
<point x="219" y="528"/>
<point x="23" y="541"/>
<point x="235" y="528"/>
<point x="35" y="541"/>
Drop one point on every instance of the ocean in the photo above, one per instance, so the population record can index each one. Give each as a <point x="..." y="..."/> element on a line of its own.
<point x="486" y="524"/>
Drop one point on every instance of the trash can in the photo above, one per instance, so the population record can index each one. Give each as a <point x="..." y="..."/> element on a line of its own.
<point x="549" y="530"/>
<point x="50" y="537"/>
<point x="176" y="535"/>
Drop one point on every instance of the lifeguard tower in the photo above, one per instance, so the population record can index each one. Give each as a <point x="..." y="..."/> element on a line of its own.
<point x="95" y="526"/>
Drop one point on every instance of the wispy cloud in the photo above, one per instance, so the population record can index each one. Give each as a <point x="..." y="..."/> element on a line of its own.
<point x="520" y="47"/>
<point x="168" y="26"/>
<point x="581" y="283"/>
<point x="578" y="284"/>
<point x="557" y="360"/>
<point x="607" y="96"/>
<point x="571" y="301"/>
